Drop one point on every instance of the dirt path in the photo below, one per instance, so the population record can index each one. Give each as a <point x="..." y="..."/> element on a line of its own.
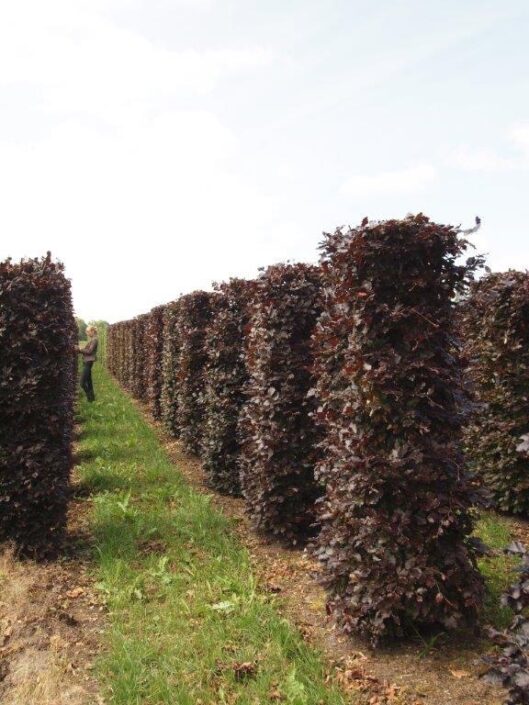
<point x="442" y="673"/>
<point x="50" y="624"/>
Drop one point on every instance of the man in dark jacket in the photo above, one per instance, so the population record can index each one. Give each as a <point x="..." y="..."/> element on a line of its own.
<point x="89" y="357"/>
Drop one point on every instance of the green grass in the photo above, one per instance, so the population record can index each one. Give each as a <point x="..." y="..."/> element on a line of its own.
<point x="184" y="607"/>
<point x="498" y="570"/>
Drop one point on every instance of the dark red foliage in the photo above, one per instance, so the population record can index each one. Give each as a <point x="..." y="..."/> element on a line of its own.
<point x="110" y="359"/>
<point x="38" y="363"/>
<point x="194" y="315"/>
<point x="510" y="666"/>
<point x="395" y="521"/>
<point x="279" y="448"/>
<point x="154" y="349"/>
<point x="226" y="377"/>
<point x="121" y="356"/>
<point x="170" y="356"/>
<point x="496" y="326"/>
<point x="119" y="332"/>
<point x="140" y="356"/>
<point x="115" y="350"/>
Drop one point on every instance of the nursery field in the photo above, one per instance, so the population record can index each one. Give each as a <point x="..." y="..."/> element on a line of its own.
<point x="164" y="595"/>
<point x="309" y="487"/>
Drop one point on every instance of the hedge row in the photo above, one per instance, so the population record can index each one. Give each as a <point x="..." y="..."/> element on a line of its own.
<point x="496" y="321"/>
<point x="354" y="425"/>
<point x="38" y="365"/>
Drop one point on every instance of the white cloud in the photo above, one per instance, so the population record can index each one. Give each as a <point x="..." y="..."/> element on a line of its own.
<point x="157" y="208"/>
<point x="116" y="182"/>
<point x="468" y="159"/>
<point x="82" y="62"/>
<point x="118" y="155"/>
<point x="520" y="136"/>
<point x="410" y="180"/>
<point x="484" y="159"/>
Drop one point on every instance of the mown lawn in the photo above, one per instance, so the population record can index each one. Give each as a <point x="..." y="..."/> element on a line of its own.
<point x="188" y="623"/>
<point x="499" y="570"/>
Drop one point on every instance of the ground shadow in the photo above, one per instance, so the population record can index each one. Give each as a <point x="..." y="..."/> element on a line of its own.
<point x="82" y="456"/>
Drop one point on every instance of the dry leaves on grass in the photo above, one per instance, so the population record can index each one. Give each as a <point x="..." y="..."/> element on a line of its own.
<point x="459" y="674"/>
<point x="49" y="633"/>
<point x="75" y="593"/>
<point x="352" y="676"/>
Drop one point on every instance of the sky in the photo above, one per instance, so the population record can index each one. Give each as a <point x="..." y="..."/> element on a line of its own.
<point x="156" y="146"/>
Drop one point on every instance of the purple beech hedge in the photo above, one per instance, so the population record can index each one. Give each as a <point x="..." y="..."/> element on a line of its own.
<point x="394" y="543"/>
<point x="125" y="362"/>
<point x="154" y="349"/>
<point x="38" y="371"/>
<point x="226" y="378"/>
<point x="509" y="666"/>
<point x="118" y="350"/>
<point x="170" y="355"/>
<point x="140" y="357"/>
<point x="194" y="316"/>
<point x="120" y="353"/>
<point x="496" y="325"/>
<point x="113" y="349"/>
<point x="129" y="364"/>
<point x="111" y="353"/>
<point x="121" y="357"/>
<point x="279" y="436"/>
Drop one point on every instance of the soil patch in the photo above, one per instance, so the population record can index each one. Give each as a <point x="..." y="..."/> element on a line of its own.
<point x="51" y="621"/>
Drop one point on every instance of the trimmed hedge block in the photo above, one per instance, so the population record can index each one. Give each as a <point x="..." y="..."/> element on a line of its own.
<point x="38" y="368"/>
<point x="193" y="318"/>
<point x="395" y="541"/>
<point x="154" y="350"/>
<point x="280" y="439"/>
<point x="226" y="379"/>
<point x="170" y="356"/>
<point x="495" y="320"/>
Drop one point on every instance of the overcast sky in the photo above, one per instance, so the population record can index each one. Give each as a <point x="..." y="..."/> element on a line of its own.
<point x="157" y="145"/>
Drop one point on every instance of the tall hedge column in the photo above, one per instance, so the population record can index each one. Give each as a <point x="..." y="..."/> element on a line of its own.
<point x="279" y="436"/>
<point x="38" y="364"/>
<point x="395" y="537"/>
<point x="226" y="379"/>
<point x="170" y="355"/>
<point x="154" y="346"/>
<point x="193" y="318"/>
<point x="496" y="326"/>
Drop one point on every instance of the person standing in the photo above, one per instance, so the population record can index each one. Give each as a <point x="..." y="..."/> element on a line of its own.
<point x="89" y="353"/>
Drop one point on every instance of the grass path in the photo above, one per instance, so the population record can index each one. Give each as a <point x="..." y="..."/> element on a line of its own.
<point x="188" y="623"/>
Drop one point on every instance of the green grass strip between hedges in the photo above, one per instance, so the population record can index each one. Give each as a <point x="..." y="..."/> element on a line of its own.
<point x="185" y="609"/>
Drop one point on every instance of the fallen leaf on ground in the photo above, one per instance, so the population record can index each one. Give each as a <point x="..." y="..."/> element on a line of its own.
<point x="57" y="642"/>
<point x="74" y="593"/>
<point x="460" y="674"/>
<point x="244" y="670"/>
